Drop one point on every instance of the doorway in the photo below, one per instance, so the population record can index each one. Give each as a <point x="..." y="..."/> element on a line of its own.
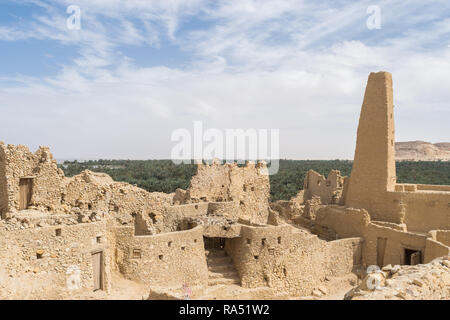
<point x="25" y="192"/>
<point x="214" y="243"/>
<point x="381" y="249"/>
<point x="97" y="264"/>
<point x="413" y="257"/>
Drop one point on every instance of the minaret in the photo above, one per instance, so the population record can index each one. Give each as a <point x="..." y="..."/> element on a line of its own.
<point x="373" y="172"/>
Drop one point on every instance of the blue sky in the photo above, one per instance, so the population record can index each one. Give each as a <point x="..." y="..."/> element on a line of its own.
<point x="138" y="70"/>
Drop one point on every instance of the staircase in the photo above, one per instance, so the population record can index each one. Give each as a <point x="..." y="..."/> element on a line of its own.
<point x="221" y="270"/>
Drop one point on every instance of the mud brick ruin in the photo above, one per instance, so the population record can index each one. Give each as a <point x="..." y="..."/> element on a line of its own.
<point x="222" y="238"/>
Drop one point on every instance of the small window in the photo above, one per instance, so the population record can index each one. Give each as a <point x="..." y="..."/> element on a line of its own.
<point x="196" y="206"/>
<point x="256" y="257"/>
<point x="279" y="240"/>
<point x="169" y="244"/>
<point x="253" y="189"/>
<point x="249" y="241"/>
<point x="58" y="232"/>
<point x="263" y="241"/>
<point x="195" y="240"/>
<point x="137" y="253"/>
<point x="161" y="257"/>
<point x="99" y="239"/>
<point x="183" y="248"/>
<point x="39" y="254"/>
<point x="89" y="206"/>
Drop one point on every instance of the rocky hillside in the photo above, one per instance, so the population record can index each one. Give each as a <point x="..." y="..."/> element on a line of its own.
<point x="422" y="151"/>
<point x="429" y="281"/>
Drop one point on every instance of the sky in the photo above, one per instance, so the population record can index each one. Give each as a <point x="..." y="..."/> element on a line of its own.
<point x="137" y="70"/>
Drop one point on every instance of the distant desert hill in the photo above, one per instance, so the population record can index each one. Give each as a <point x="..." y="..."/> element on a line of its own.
<point x="422" y="151"/>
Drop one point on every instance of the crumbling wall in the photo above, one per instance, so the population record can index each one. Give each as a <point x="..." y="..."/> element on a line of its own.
<point x="41" y="263"/>
<point x="4" y="204"/>
<point x="290" y="209"/>
<point x="166" y="259"/>
<point x="87" y="194"/>
<point x="127" y="201"/>
<point x="425" y="211"/>
<point x="97" y="193"/>
<point x="329" y="189"/>
<point x="88" y="191"/>
<point x="211" y="182"/>
<point x="228" y="210"/>
<point x="349" y="222"/>
<point x="175" y="215"/>
<point x="248" y="186"/>
<point x="311" y="207"/>
<point x="289" y="259"/>
<point x="442" y="236"/>
<point x="47" y="186"/>
<point x="41" y="167"/>
<point x="434" y="249"/>
<point x="346" y="223"/>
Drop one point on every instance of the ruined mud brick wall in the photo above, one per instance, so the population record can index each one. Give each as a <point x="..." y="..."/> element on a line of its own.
<point x="425" y="211"/>
<point x="289" y="259"/>
<point x="217" y="214"/>
<point x="249" y="186"/>
<point x="175" y="217"/>
<point x="228" y="210"/>
<point x="328" y="189"/>
<point x="348" y="222"/>
<point x="435" y="249"/>
<point x="64" y="266"/>
<point x="88" y="191"/>
<point x="18" y="162"/>
<point x="127" y="200"/>
<point x="290" y="209"/>
<point x="442" y="236"/>
<point x="168" y="259"/>
<point x="317" y="191"/>
<point x="93" y="192"/>
<point x="211" y="182"/>
<point x="4" y="203"/>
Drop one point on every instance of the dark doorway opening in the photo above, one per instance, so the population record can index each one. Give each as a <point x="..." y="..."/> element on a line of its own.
<point x="214" y="243"/>
<point x="381" y="249"/>
<point x="413" y="257"/>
